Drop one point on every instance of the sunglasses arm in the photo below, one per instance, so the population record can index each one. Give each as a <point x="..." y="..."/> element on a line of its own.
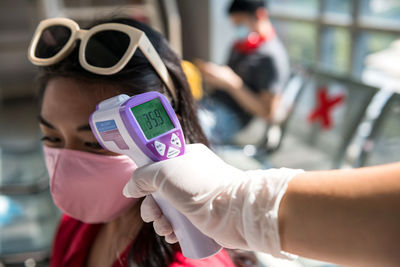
<point x="151" y="54"/>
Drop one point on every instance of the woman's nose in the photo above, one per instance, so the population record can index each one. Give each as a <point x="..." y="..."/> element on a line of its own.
<point x="72" y="143"/>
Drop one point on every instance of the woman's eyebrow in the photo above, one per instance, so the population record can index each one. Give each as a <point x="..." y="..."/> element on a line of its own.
<point x="85" y="127"/>
<point x="45" y="123"/>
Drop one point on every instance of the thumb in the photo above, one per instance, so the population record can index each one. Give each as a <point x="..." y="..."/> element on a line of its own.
<point x="142" y="182"/>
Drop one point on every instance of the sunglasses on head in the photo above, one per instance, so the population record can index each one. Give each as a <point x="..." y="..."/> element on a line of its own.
<point x="55" y="38"/>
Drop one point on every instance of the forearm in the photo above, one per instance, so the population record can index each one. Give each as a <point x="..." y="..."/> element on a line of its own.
<point x="348" y="217"/>
<point x="251" y="102"/>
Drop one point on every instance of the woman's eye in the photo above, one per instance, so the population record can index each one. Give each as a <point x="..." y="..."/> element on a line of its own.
<point x="94" y="145"/>
<point x="50" y="139"/>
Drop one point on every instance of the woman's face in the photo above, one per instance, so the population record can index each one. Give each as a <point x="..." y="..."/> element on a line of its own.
<point x="64" y="117"/>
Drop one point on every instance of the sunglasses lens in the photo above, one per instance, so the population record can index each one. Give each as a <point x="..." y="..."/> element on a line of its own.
<point x="52" y="40"/>
<point x="106" y="48"/>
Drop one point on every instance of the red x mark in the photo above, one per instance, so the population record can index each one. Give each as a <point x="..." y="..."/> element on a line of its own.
<point x="324" y="108"/>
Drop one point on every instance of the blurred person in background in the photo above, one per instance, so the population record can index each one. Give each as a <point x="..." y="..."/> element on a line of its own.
<point x="251" y="83"/>
<point x="99" y="226"/>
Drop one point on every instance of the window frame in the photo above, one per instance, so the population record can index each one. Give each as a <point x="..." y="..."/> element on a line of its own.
<point x="355" y="25"/>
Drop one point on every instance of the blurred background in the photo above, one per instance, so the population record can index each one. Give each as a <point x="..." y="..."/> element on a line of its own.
<point x="347" y="47"/>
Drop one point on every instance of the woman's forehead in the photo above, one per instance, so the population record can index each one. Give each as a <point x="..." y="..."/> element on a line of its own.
<point x="70" y="88"/>
<point x="71" y="97"/>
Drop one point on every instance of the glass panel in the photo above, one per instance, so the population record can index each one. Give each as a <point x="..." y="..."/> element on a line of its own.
<point x="299" y="39"/>
<point x="380" y="11"/>
<point x="297" y="7"/>
<point x="338" y="11"/>
<point x="335" y="49"/>
<point x="371" y="42"/>
<point x="377" y="41"/>
<point x="321" y="134"/>
<point x="338" y="7"/>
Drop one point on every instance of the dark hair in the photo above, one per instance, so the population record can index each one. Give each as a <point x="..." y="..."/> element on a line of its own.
<point x="138" y="76"/>
<point x="247" y="6"/>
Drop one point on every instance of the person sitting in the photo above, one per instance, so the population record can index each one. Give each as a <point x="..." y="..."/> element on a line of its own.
<point x="251" y="83"/>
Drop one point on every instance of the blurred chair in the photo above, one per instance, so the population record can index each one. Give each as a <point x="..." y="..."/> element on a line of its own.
<point x="253" y="144"/>
<point x="378" y="136"/>
<point x="323" y="122"/>
<point x="267" y="137"/>
<point x="284" y="110"/>
<point x="194" y="79"/>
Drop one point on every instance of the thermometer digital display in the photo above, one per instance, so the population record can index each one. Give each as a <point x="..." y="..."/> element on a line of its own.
<point x="146" y="128"/>
<point x="152" y="118"/>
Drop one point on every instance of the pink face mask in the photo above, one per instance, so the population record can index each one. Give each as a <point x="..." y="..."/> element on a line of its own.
<point x="87" y="186"/>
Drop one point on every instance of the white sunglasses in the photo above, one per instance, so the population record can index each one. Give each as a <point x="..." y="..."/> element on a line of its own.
<point x="57" y="37"/>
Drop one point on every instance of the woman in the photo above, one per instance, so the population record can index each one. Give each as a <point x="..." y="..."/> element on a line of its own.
<point x="103" y="228"/>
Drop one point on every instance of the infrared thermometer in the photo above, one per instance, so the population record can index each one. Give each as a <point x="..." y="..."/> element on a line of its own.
<point x="145" y="128"/>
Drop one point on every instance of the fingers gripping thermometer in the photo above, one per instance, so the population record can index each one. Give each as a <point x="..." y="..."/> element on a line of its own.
<point x="145" y="128"/>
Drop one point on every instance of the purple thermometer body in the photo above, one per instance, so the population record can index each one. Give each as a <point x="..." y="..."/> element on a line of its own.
<point x="152" y="123"/>
<point x="145" y="128"/>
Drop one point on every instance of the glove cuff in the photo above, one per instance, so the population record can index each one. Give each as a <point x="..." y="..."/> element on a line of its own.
<point x="260" y="211"/>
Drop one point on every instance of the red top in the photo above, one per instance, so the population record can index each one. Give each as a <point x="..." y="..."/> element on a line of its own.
<point x="74" y="239"/>
<point x="252" y="42"/>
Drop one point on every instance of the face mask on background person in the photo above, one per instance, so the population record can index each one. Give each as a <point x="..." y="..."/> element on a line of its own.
<point x="241" y="32"/>
<point x="87" y="186"/>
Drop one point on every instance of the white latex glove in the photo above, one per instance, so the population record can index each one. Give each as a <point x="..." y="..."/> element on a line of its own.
<point x="238" y="209"/>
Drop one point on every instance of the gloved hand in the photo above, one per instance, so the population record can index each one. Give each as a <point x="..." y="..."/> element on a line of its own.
<point x="238" y="209"/>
